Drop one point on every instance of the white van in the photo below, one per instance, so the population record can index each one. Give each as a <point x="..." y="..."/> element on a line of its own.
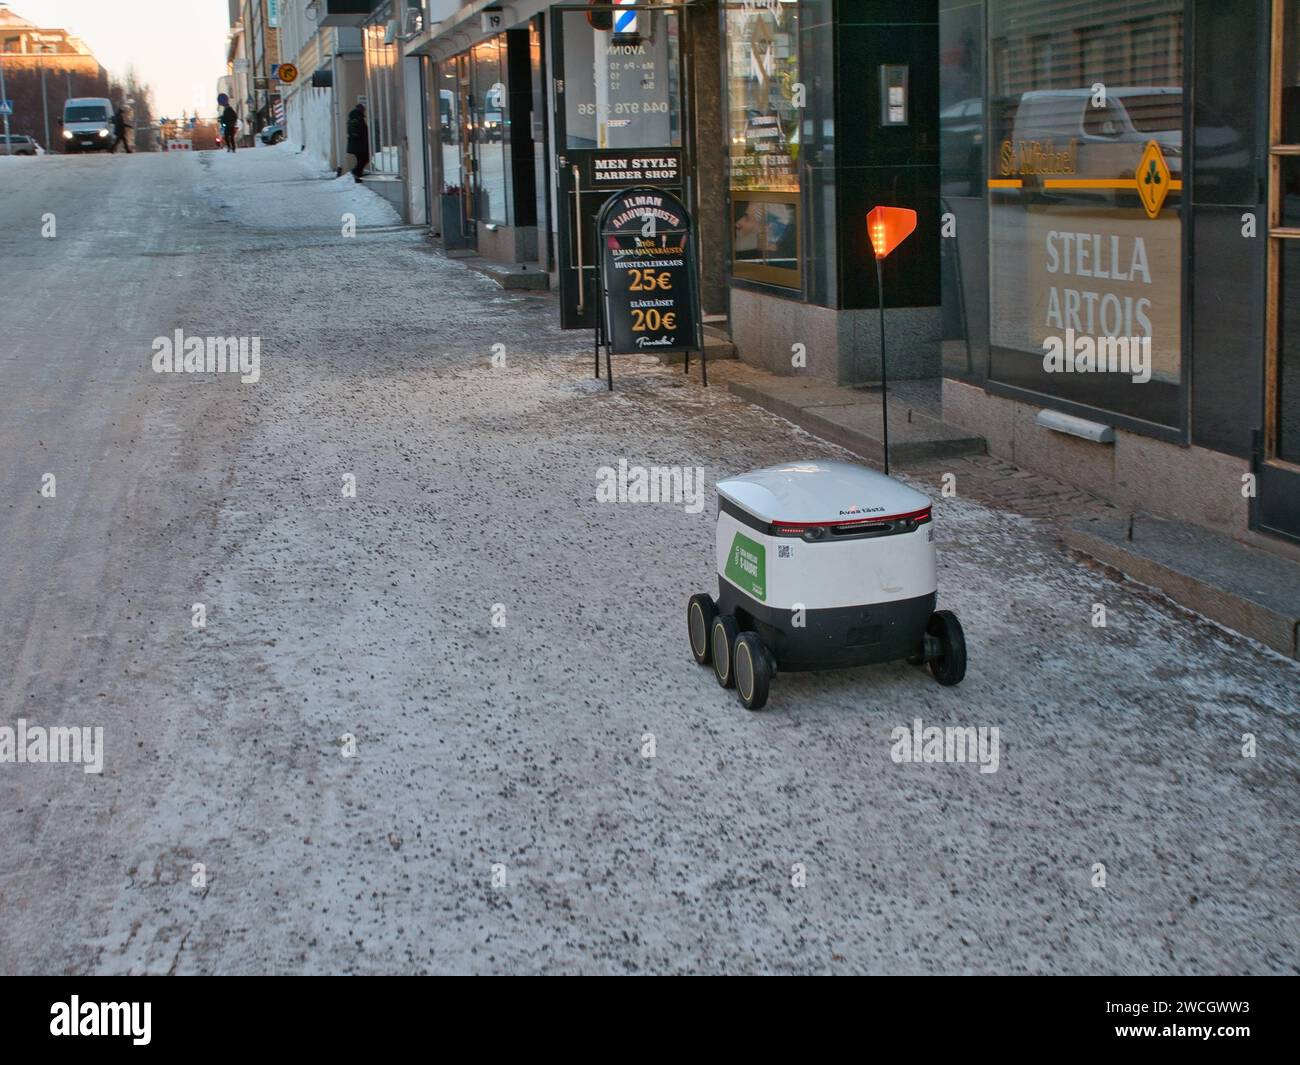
<point x="1105" y="141"/>
<point x="88" y="125"/>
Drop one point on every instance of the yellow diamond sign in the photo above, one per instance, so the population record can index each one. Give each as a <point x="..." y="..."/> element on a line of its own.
<point x="1152" y="179"/>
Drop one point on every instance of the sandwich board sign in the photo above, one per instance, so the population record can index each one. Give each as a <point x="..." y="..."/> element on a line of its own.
<point x="650" y="292"/>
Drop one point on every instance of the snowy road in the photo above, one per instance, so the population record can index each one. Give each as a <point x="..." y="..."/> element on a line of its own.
<point x="498" y="814"/>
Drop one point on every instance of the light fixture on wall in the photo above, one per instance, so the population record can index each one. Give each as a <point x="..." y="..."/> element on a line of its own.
<point x="414" y="23"/>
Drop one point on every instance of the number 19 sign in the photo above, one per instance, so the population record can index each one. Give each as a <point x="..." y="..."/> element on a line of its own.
<point x="647" y="262"/>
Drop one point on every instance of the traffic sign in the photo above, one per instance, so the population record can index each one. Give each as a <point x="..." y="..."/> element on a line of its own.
<point x="6" y="107"/>
<point x="288" y="73"/>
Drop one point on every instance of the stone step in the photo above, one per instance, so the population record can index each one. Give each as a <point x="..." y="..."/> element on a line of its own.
<point x="717" y="345"/>
<point x="1252" y="591"/>
<point x="527" y="276"/>
<point x="852" y="417"/>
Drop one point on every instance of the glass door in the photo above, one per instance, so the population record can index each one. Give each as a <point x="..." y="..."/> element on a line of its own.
<point x="618" y="114"/>
<point x="468" y="168"/>
<point x="488" y="122"/>
<point x="450" y="206"/>
<point x="1278" y="489"/>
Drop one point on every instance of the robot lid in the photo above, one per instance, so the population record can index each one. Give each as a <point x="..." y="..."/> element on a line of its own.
<point x="819" y="492"/>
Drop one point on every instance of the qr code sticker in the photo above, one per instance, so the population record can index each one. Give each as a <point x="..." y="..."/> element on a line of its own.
<point x="784" y="551"/>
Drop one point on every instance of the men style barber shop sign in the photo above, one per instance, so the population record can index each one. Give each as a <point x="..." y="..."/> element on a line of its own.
<point x="651" y="299"/>
<point x="626" y="168"/>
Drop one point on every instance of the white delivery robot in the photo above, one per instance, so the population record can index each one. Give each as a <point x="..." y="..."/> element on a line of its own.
<point x="821" y="565"/>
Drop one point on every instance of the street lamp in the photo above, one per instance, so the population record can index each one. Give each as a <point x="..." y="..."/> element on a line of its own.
<point x="9" y="144"/>
<point x="45" y="99"/>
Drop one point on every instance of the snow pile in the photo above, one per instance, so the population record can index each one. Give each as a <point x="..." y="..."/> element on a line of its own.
<point x="309" y="119"/>
<point x="370" y="208"/>
<point x="281" y="188"/>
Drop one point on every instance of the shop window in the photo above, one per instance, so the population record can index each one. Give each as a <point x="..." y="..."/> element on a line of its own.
<point x="489" y="129"/>
<point x="763" y="126"/>
<point x="383" y="107"/>
<point x="1084" y="184"/>
<point x="631" y="99"/>
<point x="449" y="128"/>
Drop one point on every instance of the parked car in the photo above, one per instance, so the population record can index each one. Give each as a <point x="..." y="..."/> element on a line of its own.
<point x="20" y="144"/>
<point x="272" y="134"/>
<point x="88" y="124"/>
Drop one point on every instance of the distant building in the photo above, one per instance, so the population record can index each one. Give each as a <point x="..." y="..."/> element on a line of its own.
<point x="237" y="83"/>
<point x="261" y="37"/>
<point x="69" y="67"/>
<point x="25" y="45"/>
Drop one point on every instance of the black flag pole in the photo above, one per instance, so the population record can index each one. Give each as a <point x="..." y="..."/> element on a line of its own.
<point x="884" y="377"/>
<point x="887" y="228"/>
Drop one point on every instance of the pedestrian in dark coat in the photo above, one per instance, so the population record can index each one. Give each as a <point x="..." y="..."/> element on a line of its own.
<point x="229" y="120"/>
<point x="359" y="140"/>
<point x="119" y="131"/>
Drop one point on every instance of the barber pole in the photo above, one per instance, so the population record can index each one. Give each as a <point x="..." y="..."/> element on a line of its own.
<point x="625" y="21"/>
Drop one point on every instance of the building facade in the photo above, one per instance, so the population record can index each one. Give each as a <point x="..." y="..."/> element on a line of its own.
<point x="347" y="52"/>
<point x="330" y="81"/>
<point x="531" y="111"/>
<point x="1125" y="174"/>
<point x="253" y="56"/>
<point x="237" y="83"/>
<point x="1102" y="280"/>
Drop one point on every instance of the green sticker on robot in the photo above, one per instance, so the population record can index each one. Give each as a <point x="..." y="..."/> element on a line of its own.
<point x="747" y="566"/>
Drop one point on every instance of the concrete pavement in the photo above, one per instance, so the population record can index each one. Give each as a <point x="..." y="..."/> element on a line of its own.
<point x="498" y="813"/>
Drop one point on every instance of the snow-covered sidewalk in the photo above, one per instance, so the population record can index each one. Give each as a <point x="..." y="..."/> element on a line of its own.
<point x="506" y="652"/>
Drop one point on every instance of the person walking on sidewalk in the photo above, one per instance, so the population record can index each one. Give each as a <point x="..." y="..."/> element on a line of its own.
<point x="359" y="140"/>
<point x="119" y="131"/>
<point x="229" y="121"/>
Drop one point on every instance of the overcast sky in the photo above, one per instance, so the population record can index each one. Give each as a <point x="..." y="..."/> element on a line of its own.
<point x="177" y="46"/>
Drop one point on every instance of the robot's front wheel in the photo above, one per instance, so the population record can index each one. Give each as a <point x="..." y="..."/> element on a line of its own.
<point x="753" y="670"/>
<point x="723" y="637"/>
<point x="949" y="666"/>
<point x="700" y="612"/>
